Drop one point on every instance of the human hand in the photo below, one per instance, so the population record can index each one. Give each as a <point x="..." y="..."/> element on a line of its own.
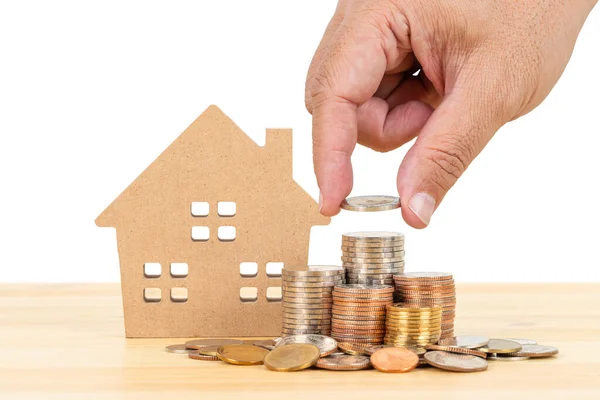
<point x="483" y="64"/>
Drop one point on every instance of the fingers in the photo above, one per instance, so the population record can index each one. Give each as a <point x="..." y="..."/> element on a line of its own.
<point x="348" y="75"/>
<point x="453" y="136"/>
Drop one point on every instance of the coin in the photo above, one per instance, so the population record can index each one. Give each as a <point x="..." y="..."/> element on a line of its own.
<point x="301" y="295"/>
<point x="306" y="306"/>
<point x="348" y="248"/>
<point x="424" y="276"/>
<point x="501" y="346"/>
<point x="307" y="300"/>
<point x="523" y="341"/>
<point x="300" y="284"/>
<point x="197" y="356"/>
<point x="178" y="349"/>
<point x="199" y="343"/>
<point x="315" y="270"/>
<point x="311" y="331"/>
<point x="314" y="279"/>
<point x="354" y="349"/>
<point x="455" y="362"/>
<point x="466" y="341"/>
<point x="374" y="256"/>
<point x="325" y="344"/>
<point x="371" y="203"/>
<point x="360" y="260"/>
<point x="265" y="344"/>
<point x="292" y="357"/>
<point x="505" y="357"/>
<point x="344" y="363"/>
<point x="394" y="359"/>
<point x="535" y="351"/>
<point x="460" y="350"/>
<point x="345" y="288"/>
<point x="209" y="350"/>
<point x="242" y="354"/>
<point x="372" y="236"/>
<point x="291" y="289"/>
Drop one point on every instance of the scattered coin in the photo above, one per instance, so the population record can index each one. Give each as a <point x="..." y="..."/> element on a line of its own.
<point x="459" y="350"/>
<point x="501" y="346"/>
<point x="505" y="357"/>
<point x="178" y="349"/>
<point x="522" y="341"/>
<point x="466" y="341"/>
<point x="209" y="350"/>
<point x="195" y="355"/>
<point x="455" y="362"/>
<point x="325" y="344"/>
<point x="355" y="349"/>
<point x="292" y="357"/>
<point x="344" y="363"/>
<point x="394" y="359"/>
<point x="265" y="344"/>
<point x="199" y="343"/>
<point x="242" y="354"/>
<point x="535" y="351"/>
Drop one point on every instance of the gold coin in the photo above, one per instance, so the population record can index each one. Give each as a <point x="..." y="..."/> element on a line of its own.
<point x="209" y="350"/>
<point x="354" y="349"/>
<point x="292" y="357"/>
<point x="242" y="354"/>
<point x="501" y="346"/>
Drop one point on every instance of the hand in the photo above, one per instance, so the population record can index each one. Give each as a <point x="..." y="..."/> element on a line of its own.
<point x="482" y="64"/>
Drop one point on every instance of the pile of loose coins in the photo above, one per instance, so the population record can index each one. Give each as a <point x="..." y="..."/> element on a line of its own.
<point x="307" y="299"/>
<point x="347" y="319"/>
<point x="358" y="312"/>
<point x="429" y="289"/>
<point x="299" y="352"/>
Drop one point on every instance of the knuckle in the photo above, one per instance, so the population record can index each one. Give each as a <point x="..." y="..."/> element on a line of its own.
<point x="450" y="163"/>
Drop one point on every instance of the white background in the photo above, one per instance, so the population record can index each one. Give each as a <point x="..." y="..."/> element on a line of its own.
<point x="92" y="92"/>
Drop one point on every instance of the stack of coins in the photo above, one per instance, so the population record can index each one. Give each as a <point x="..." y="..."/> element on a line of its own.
<point x="307" y="299"/>
<point x="358" y="312"/>
<point x="372" y="257"/>
<point x="429" y="289"/>
<point x="406" y="326"/>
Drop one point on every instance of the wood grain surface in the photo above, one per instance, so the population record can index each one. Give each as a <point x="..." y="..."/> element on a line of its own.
<point x="66" y="341"/>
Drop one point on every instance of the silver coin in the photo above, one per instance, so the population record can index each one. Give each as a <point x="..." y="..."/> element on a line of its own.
<point x="358" y="260"/>
<point x="315" y="270"/>
<point x="308" y="326"/>
<point x="290" y="289"/>
<point x="362" y="270"/>
<point x="307" y="300"/>
<point x="304" y="321"/>
<point x="199" y="343"/>
<point x="326" y="344"/>
<point x="329" y="278"/>
<point x="371" y="203"/>
<point x="179" y="349"/>
<point x="502" y="346"/>
<point x="357" y="318"/>
<point x="372" y="235"/>
<point x="361" y="249"/>
<point x="370" y="275"/>
<point x="455" y="362"/>
<point x="465" y="341"/>
<point x="308" y="284"/>
<point x="296" y="332"/>
<point x="374" y="256"/>
<point x="306" y="311"/>
<point x="535" y="351"/>
<point x="322" y="295"/>
<point x="306" y="306"/>
<point x="505" y="357"/>
<point x="348" y="266"/>
<point x="368" y="281"/>
<point x="522" y="341"/>
<point x="374" y="244"/>
<point x="349" y="288"/>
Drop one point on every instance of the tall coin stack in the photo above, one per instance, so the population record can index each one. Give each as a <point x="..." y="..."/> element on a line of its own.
<point x="418" y="327"/>
<point x="429" y="289"/>
<point x="358" y="312"/>
<point x="307" y="299"/>
<point x="372" y="257"/>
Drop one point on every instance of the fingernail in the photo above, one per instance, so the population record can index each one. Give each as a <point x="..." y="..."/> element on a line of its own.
<point x="422" y="205"/>
<point x="320" y="201"/>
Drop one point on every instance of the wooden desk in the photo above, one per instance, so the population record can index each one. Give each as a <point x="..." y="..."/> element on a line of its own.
<point x="67" y="342"/>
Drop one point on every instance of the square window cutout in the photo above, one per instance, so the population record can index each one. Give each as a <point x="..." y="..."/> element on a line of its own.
<point x="274" y="293"/>
<point x="179" y="270"/>
<point x="226" y="208"/>
<point x="226" y="233"/>
<point x="248" y="269"/>
<point x="274" y="268"/>
<point x="200" y="209"/>
<point x="200" y="233"/>
<point x="179" y="294"/>
<point x="248" y="294"/>
<point x="152" y="270"/>
<point x="152" y="295"/>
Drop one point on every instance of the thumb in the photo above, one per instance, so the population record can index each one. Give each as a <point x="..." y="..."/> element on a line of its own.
<point x="454" y="135"/>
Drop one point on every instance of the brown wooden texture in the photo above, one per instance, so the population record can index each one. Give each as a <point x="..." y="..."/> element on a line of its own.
<point x="211" y="161"/>
<point x="66" y="342"/>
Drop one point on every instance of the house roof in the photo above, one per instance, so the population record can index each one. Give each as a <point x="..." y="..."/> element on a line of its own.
<point x="215" y="148"/>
